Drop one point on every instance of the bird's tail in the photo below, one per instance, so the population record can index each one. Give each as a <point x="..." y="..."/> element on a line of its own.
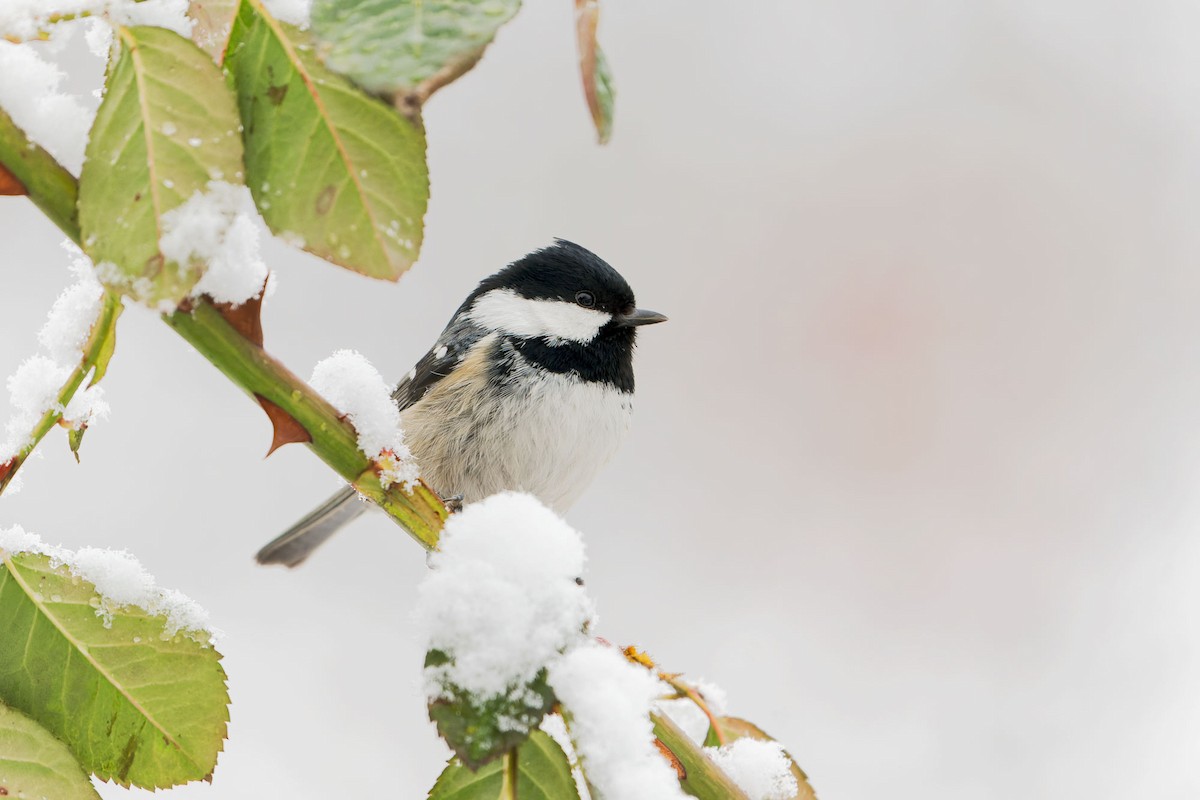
<point x="296" y="543"/>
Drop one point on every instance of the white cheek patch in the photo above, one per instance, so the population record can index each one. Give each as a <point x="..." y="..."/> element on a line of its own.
<point x="558" y="321"/>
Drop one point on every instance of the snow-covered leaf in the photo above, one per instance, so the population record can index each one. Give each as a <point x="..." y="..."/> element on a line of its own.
<point x="543" y="773"/>
<point x="166" y="128"/>
<point x="598" y="86"/>
<point x="35" y="764"/>
<point x="408" y="48"/>
<point x="481" y="729"/>
<point x="332" y="168"/>
<point x="135" y="701"/>
<point x="735" y="728"/>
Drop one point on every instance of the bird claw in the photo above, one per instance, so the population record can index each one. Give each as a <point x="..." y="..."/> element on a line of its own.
<point x="453" y="503"/>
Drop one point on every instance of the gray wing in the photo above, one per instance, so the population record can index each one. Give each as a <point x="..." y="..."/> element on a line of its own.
<point x="446" y="354"/>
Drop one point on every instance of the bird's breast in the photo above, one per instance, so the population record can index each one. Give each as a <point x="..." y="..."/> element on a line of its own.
<point x="538" y="431"/>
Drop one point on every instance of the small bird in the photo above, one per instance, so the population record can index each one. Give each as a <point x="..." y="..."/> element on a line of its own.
<point x="528" y="388"/>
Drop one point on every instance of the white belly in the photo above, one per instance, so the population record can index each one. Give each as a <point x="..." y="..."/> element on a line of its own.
<point x="549" y="439"/>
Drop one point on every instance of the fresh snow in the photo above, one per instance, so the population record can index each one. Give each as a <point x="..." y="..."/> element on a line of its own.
<point x="608" y="700"/>
<point x="293" y="12"/>
<point x="26" y="19"/>
<point x="30" y="93"/>
<point x="348" y="381"/>
<point x="761" y="769"/>
<point x="33" y="388"/>
<point x="30" y="85"/>
<point x="120" y="580"/>
<point x="219" y="226"/>
<point x="502" y="597"/>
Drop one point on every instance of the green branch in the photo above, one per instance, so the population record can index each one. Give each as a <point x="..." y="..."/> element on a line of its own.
<point x="702" y="777"/>
<point x="51" y="187"/>
<point x="334" y="439"/>
<point x="54" y="190"/>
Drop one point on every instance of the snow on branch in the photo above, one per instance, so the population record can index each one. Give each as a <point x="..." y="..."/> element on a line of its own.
<point x="349" y="382"/>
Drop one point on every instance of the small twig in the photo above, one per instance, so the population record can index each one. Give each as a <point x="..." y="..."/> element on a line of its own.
<point x="90" y="363"/>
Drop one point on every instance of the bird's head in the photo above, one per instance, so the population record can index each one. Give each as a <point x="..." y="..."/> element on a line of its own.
<point x="562" y="294"/>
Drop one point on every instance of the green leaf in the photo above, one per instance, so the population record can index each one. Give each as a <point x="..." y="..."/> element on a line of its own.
<point x="407" y="47"/>
<point x="481" y="729"/>
<point x="135" y="705"/>
<point x="166" y="127"/>
<point x="543" y="773"/>
<point x="100" y="352"/>
<point x="330" y="166"/>
<point x="35" y="764"/>
<point x="75" y="439"/>
<point x="598" y="87"/>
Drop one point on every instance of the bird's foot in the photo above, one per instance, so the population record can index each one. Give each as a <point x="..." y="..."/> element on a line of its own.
<point x="454" y="503"/>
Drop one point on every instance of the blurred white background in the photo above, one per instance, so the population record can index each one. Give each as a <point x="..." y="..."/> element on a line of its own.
<point x="915" y="463"/>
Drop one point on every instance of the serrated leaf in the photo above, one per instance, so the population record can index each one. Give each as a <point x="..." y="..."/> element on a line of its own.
<point x="166" y="127"/>
<point x="407" y="48"/>
<point x="598" y="87"/>
<point x="543" y="773"/>
<point x="735" y="728"/>
<point x="336" y="170"/>
<point x="35" y="764"/>
<point x="134" y="705"/>
<point x="481" y="729"/>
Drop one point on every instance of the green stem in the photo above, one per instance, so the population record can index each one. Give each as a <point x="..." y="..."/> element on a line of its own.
<point x="420" y="512"/>
<point x="703" y="779"/>
<point x="51" y="187"/>
<point x="508" y="785"/>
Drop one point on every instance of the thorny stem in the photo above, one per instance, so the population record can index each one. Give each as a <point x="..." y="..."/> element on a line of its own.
<point x="95" y="353"/>
<point x="54" y="190"/>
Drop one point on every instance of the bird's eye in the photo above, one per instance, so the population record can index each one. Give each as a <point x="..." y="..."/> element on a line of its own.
<point x="585" y="299"/>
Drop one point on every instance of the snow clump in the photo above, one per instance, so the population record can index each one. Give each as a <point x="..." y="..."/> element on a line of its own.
<point x="120" y="580"/>
<point x="348" y="381"/>
<point x="760" y="768"/>
<point x="220" y="227"/>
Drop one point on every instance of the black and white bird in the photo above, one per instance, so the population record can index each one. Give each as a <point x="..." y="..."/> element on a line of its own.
<point x="528" y="388"/>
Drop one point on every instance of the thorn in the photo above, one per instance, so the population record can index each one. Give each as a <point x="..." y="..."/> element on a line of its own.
<point x="9" y="185"/>
<point x="285" y="428"/>
<point x="246" y="319"/>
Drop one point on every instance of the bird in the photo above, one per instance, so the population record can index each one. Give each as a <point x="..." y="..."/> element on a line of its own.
<point x="528" y="388"/>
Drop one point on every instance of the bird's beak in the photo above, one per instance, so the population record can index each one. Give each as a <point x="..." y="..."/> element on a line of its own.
<point x="640" y="317"/>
